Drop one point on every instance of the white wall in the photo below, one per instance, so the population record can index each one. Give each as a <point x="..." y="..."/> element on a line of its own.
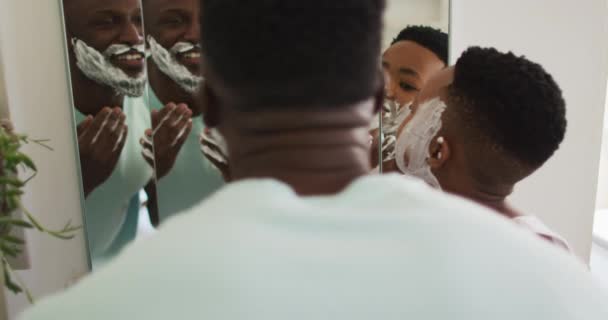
<point x="38" y="96"/>
<point x="569" y="38"/>
<point x="402" y="13"/>
<point x="602" y="189"/>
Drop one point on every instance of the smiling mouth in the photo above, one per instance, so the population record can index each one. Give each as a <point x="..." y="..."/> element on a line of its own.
<point x="191" y="55"/>
<point x="132" y="62"/>
<point x="191" y="59"/>
<point x="130" y="56"/>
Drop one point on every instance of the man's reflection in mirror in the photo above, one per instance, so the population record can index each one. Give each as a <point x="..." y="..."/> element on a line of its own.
<point x="107" y="63"/>
<point x="185" y="176"/>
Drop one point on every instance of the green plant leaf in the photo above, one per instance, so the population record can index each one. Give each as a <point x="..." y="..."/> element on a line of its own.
<point x="15" y="182"/>
<point x="12" y="203"/>
<point x="12" y="239"/>
<point x="10" y="251"/>
<point x="8" y="281"/>
<point x="27" y="161"/>
<point x="15" y="222"/>
<point x="12" y="193"/>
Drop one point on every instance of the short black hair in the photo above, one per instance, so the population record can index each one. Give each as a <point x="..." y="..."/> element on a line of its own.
<point x="433" y="39"/>
<point x="512" y="111"/>
<point x="295" y="53"/>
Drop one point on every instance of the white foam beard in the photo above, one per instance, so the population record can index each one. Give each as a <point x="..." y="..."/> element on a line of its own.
<point x="393" y="114"/>
<point x="167" y="63"/>
<point x="415" y="140"/>
<point x="394" y="117"/>
<point x="97" y="67"/>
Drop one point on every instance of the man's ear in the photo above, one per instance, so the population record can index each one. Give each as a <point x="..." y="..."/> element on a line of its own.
<point x="209" y="106"/>
<point x="440" y="152"/>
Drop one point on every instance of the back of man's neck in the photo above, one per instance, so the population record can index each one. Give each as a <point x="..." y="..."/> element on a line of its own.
<point x="316" y="153"/>
<point x="309" y="171"/>
<point x="495" y="199"/>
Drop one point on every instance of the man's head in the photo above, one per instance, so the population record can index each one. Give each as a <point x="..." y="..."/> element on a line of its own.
<point x="173" y="35"/>
<point x="106" y="42"/>
<point x="292" y="86"/>
<point x="291" y="53"/>
<point x="486" y="123"/>
<point x="415" y="55"/>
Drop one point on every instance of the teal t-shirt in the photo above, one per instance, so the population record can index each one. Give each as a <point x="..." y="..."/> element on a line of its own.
<point x="192" y="178"/>
<point x="109" y="205"/>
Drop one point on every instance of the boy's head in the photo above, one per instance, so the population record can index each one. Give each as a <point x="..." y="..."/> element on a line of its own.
<point x="415" y="55"/>
<point x="487" y="123"/>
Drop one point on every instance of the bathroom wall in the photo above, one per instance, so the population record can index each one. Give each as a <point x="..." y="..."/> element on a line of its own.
<point x="32" y="54"/>
<point x="401" y="13"/>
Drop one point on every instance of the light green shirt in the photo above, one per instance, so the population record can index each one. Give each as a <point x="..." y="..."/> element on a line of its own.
<point x="192" y="179"/>
<point x="108" y="205"/>
<point x="386" y="248"/>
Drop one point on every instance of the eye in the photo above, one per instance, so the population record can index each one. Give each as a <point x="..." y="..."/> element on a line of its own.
<point x="138" y="20"/>
<point x="173" y="20"/>
<point x="103" y="22"/>
<point x="407" y="87"/>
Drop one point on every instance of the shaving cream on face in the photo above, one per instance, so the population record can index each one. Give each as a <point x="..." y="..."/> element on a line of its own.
<point x="415" y="140"/>
<point x="97" y="67"/>
<point x="167" y="63"/>
<point x="394" y="117"/>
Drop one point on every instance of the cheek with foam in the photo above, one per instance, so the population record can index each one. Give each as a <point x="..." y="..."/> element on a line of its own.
<point x="415" y="140"/>
<point x="98" y="68"/>
<point x="394" y="115"/>
<point x="168" y="64"/>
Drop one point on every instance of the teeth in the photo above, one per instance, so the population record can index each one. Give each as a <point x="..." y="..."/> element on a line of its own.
<point x="192" y="55"/>
<point x="130" y="57"/>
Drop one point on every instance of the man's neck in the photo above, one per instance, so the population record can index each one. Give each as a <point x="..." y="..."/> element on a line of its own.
<point x="90" y="97"/>
<point x="315" y="152"/>
<point x="167" y="90"/>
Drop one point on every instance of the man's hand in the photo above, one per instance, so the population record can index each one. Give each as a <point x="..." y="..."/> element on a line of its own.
<point x="100" y="141"/>
<point x="172" y="126"/>
<point x="213" y="148"/>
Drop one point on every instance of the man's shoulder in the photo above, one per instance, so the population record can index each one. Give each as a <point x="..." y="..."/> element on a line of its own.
<point x="416" y="239"/>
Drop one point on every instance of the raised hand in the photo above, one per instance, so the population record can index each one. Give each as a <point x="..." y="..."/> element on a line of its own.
<point x="100" y="141"/>
<point x="172" y="126"/>
<point x="214" y="148"/>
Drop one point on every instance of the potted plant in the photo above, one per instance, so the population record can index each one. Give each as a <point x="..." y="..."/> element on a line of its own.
<point x="15" y="164"/>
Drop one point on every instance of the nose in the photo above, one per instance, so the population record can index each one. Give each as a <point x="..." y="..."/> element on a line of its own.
<point x="193" y="34"/>
<point x="389" y="88"/>
<point x="131" y="34"/>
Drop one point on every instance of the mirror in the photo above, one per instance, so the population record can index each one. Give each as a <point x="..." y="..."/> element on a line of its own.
<point x="145" y="153"/>
<point x="415" y="47"/>
<point x="185" y="176"/>
<point x="139" y="124"/>
<point x="106" y="53"/>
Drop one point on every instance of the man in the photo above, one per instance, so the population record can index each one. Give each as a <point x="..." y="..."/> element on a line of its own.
<point x="106" y="54"/>
<point x="481" y="127"/>
<point x="415" y="55"/>
<point x="174" y="74"/>
<point x="293" y="85"/>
